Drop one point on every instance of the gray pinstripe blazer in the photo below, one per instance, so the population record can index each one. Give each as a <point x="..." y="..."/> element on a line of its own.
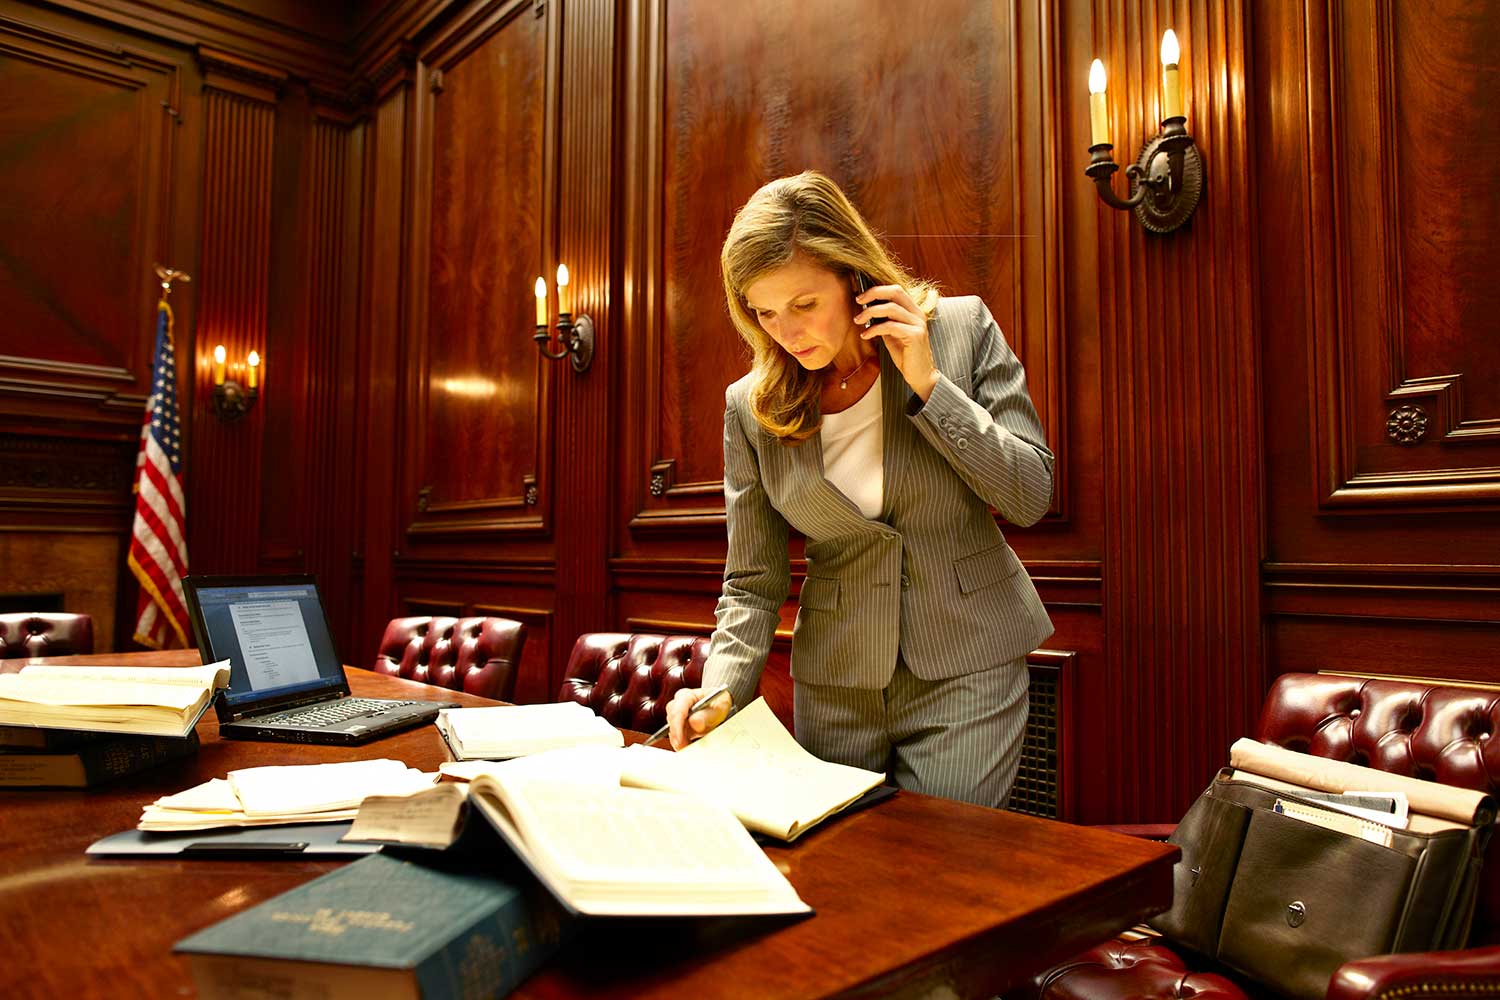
<point x="933" y="576"/>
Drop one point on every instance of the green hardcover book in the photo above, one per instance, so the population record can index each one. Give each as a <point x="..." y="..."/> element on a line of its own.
<point x="91" y="763"/>
<point x="380" y="927"/>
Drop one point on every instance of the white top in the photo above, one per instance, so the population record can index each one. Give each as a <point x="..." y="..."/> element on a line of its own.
<point x="852" y="457"/>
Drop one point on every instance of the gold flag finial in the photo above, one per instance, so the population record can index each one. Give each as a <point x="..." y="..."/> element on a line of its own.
<point x="169" y="275"/>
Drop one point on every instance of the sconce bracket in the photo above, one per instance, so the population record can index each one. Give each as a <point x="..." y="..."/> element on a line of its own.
<point x="576" y="337"/>
<point x="1171" y="171"/>
<point x="232" y="401"/>
<point x="581" y="344"/>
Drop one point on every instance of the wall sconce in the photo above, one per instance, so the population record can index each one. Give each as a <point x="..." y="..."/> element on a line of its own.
<point x="232" y="400"/>
<point x="575" y="336"/>
<point x="1166" y="180"/>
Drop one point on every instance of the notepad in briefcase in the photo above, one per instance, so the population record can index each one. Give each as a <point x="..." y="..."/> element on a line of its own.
<point x="286" y="683"/>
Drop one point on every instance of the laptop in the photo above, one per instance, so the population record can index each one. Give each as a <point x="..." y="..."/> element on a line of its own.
<point x="286" y="683"/>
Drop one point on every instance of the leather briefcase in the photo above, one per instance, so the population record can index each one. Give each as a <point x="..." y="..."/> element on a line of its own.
<point x="1286" y="901"/>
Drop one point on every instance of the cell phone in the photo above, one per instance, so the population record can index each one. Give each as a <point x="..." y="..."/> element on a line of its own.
<point x="864" y="286"/>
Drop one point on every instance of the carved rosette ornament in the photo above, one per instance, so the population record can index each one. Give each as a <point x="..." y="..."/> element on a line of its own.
<point x="658" y="483"/>
<point x="1407" y="425"/>
<point x="531" y="494"/>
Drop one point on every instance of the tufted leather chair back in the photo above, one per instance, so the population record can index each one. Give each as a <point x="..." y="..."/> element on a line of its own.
<point x="480" y="656"/>
<point x="1433" y="732"/>
<point x="629" y="678"/>
<point x="45" y="634"/>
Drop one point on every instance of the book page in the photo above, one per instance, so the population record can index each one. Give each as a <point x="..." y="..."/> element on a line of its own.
<point x="212" y="676"/>
<point x="634" y="851"/>
<point x="428" y="818"/>
<point x="85" y="693"/>
<point x="753" y="766"/>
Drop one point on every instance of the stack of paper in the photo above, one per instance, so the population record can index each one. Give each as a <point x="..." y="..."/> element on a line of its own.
<point x="517" y="730"/>
<point x="265" y="796"/>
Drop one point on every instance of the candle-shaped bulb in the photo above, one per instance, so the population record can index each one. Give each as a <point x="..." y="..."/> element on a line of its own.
<point x="541" y="301"/>
<point x="564" y="300"/>
<point x="253" y="372"/>
<point x="1171" y="52"/>
<point x="1097" y="78"/>
<point x="1171" y="79"/>
<point x="1098" y="112"/>
<point x="219" y="365"/>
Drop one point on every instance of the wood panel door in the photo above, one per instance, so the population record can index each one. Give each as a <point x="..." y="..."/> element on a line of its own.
<point x="479" y="457"/>
<point x="1406" y="361"/>
<point x="87" y="159"/>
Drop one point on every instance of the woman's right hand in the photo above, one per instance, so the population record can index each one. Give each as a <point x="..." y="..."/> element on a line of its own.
<point x="685" y="728"/>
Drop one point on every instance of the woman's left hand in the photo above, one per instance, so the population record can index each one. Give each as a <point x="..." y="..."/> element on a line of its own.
<point x="904" y="332"/>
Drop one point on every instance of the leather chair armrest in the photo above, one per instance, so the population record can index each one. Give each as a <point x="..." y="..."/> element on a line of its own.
<point x="1473" y="972"/>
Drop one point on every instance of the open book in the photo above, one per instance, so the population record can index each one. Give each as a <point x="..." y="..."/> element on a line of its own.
<point x="505" y="731"/>
<point x="149" y="701"/>
<point x="752" y="765"/>
<point x="603" y="851"/>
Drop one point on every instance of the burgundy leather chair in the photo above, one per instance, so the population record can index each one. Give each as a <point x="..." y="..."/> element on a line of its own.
<point x="45" y="634"/>
<point x="629" y="678"/>
<point x="478" y="655"/>
<point x="1428" y="731"/>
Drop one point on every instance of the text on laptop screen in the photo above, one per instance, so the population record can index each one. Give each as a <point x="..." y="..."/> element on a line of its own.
<point x="275" y="638"/>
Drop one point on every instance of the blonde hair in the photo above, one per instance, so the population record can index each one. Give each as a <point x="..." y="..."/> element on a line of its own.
<point x="804" y="215"/>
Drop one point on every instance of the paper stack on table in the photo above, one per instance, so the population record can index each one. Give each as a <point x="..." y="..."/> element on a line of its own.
<point x="265" y="796"/>
<point x="517" y="730"/>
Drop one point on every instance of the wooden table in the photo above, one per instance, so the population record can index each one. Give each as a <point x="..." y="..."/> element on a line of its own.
<point x="916" y="896"/>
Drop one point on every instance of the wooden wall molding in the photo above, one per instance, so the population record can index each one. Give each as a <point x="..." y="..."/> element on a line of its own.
<point x="238" y="75"/>
<point x="297" y="50"/>
<point x="1450" y="454"/>
<point x="1384" y="592"/>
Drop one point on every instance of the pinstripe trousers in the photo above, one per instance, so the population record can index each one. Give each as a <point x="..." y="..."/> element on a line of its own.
<point x="958" y="738"/>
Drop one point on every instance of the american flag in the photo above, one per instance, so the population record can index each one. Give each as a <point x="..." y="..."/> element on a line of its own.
<point x="158" y="538"/>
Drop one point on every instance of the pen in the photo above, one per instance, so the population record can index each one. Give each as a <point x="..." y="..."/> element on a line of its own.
<point x="700" y="703"/>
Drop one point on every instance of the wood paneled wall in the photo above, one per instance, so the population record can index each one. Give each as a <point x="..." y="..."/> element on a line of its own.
<point x="1276" y="429"/>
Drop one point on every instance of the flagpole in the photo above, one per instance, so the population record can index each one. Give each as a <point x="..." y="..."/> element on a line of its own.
<point x="158" y="535"/>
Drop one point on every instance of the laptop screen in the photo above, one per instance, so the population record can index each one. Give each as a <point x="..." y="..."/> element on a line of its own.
<point x="274" y="635"/>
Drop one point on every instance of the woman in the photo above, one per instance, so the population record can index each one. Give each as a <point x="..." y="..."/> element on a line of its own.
<point x="881" y="421"/>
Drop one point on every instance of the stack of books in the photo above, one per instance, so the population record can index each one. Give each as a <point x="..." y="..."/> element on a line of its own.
<point x="76" y="727"/>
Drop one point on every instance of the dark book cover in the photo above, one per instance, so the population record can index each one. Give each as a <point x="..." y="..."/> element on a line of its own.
<point x="382" y="926"/>
<point x="92" y="762"/>
<point x="34" y="738"/>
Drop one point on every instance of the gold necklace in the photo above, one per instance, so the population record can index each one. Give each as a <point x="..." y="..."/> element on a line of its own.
<point x="844" y="379"/>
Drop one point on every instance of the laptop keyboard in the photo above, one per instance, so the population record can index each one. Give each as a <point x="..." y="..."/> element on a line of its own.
<point x="343" y="711"/>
